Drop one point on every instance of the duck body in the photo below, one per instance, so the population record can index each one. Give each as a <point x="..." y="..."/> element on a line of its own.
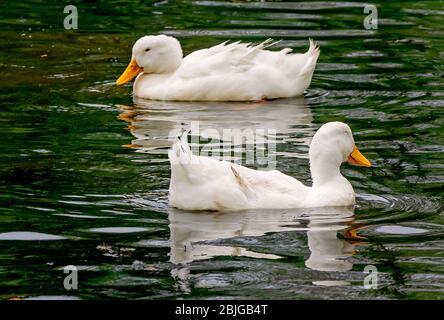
<point x="225" y="72"/>
<point x="210" y="184"/>
<point x="203" y="183"/>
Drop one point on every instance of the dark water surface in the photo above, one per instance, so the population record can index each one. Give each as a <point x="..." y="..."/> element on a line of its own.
<point x="84" y="173"/>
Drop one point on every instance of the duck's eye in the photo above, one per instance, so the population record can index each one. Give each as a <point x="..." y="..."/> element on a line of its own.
<point x="147" y="49"/>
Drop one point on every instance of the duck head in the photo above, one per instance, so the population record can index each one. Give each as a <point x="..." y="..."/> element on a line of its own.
<point x="332" y="145"/>
<point x="153" y="54"/>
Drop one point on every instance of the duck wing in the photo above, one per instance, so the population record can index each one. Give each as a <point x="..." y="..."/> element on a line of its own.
<point x="221" y="59"/>
<point x="237" y="57"/>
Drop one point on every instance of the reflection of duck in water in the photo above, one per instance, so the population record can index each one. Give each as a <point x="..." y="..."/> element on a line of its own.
<point x="191" y="234"/>
<point x="189" y="228"/>
<point x="155" y="123"/>
<point x="327" y="252"/>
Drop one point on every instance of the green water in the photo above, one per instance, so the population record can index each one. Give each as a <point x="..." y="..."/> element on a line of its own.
<point x="84" y="173"/>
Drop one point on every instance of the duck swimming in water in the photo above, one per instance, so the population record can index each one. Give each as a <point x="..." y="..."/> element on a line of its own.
<point x="226" y="72"/>
<point x="203" y="183"/>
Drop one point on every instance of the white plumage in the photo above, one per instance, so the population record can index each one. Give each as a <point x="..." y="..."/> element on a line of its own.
<point x="226" y="72"/>
<point x="203" y="183"/>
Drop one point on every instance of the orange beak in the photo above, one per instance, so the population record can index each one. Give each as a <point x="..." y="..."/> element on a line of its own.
<point x="357" y="158"/>
<point x="130" y="72"/>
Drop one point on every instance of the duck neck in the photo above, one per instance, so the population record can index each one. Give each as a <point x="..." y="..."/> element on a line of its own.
<point x="172" y="66"/>
<point x="325" y="171"/>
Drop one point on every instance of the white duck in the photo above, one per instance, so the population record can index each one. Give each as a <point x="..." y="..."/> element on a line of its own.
<point x="202" y="183"/>
<point x="226" y="72"/>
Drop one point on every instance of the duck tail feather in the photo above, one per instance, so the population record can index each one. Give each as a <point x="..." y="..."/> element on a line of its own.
<point x="314" y="48"/>
<point x="180" y="152"/>
<point x="312" y="57"/>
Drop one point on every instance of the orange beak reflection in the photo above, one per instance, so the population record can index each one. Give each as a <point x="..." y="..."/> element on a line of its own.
<point x="357" y="158"/>
<point x="130" y="72"/>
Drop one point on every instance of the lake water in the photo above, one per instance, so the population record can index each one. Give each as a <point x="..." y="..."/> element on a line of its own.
<point x="84" y="173"/>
